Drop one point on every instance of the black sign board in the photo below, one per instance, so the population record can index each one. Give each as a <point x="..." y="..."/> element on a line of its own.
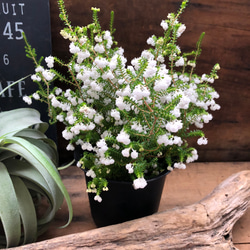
<point x="33" y="18"/>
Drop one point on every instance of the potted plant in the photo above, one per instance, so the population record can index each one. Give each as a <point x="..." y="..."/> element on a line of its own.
<point x="31" y="188"/>
<point x="131" y="121"/>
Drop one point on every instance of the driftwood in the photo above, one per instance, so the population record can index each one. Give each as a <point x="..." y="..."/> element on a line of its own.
<point x="204" y="225"/>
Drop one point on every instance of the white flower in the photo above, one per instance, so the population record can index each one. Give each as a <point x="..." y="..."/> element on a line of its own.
<point x="79" y="164"/>
<point x="101" y="62"/>
<point x="87" y="146"/>
<point x="160" y="59"/>
<point x="82" y="55"/>
<point x="98" y="39"/>
<point x="107" y="36"/>
<point x="139" y="183"/>
<point x="91" y="173"/>
<point x="96" y="87"/>
<point x="39" y="69"/>
<point x="123" y="137"/>
<point x="215" y="95"/>
<point x="125" y="152"/>
<point x="202" y="141"/>
<point x="164" y="24"/>
<point x="136" y="63"/>
<point x="176" y="112"/>
<point x="170" y="168"/>
<point x="27" y="99"/>
<point x="180" y="165"/>
<point x="73" y="48"/>
<point x="108" y="75"/>
<point x="58" y="91"/>
<point x="207" y="118"/>
<point x="98" y="198"/>
<point x="163" y="84"/>
<point x="102" y="145"/>
<point x="99" y="48"/>
<point x="36" y="96"/>
<point x="48" y="75"/>
<point x="83" y="40"/>
<point x="151" y="41"/>
<point x="180" y="62"/>
<point x="184" y="102"/>
<point x="177" y="140"/>
<point x="181" y="29"/>
<point x="134" y="154"/>
<point x="121" y="104"/>
<point x="193" y="157"/>
<point x="98" y="119"/>
<point x="151" y="69"/>
<point x="107" y="161"/>
<point x="162" y="139"/>
<point x="89" y="112"/>
<point x="174" y="126"/>
<point x="50" y="61"/>
<point x="147" y="55"/>
<point x="55" y="103"/>
<point x="113" y="62"/>
<point x="204" y="78"/>
<point x="116" y="114"/>
<point x="130" y="168"/>
<point x="67" y="134"/>
<point x="70" y="147"/>
<point x="140" y="91"/>
<point x="126" y="91"/>
<point x="215" y="107"/>
<point x="137" y="126"/>
<point x="36" y="78"/>
<point x="60" y="118"/>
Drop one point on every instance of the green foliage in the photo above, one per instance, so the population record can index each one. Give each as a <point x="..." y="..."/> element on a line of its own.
<point x="28" y="177"/>
<point x="128" y="117"/>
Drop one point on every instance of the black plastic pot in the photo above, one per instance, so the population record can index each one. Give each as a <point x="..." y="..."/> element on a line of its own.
<point x="122" y="202"/>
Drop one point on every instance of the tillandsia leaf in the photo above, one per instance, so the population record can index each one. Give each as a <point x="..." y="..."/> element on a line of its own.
<point x="53" y="205"/>
<point x="26" y="209"/>
<point x="26" y="117"/>
<point x="41" y="184"/>
<point x="66" y="165"/>
<point x="38" y="135"/>
<point x="25" y="170"/>
<point x="42" y="163"/>
<point x="46" y="148"/>
<point x="12" y="84"/>
<point x="6" y="154"/>
<point x="31" y="133"/>
<point x="36" y="182"/>
<point x="9" y="208"/>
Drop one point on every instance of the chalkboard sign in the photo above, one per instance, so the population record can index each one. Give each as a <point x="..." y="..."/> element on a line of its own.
<point x="16" y="17"/>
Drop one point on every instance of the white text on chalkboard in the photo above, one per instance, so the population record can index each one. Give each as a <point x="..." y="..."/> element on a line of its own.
<point x="11" y="29"/>
<point x="13" y="9"/>
<point x="9" y="93"/>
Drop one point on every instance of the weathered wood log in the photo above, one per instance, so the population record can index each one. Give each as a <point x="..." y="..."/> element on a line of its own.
<point x="204" y="225"/>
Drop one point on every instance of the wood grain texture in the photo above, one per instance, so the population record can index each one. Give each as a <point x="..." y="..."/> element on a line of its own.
<point x="182" y="188"/>
<point x="206" y="224"/>
<point x="227" y="41"/>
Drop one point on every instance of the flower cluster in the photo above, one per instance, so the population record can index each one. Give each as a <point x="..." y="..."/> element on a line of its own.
<point x="132" y="121"/>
